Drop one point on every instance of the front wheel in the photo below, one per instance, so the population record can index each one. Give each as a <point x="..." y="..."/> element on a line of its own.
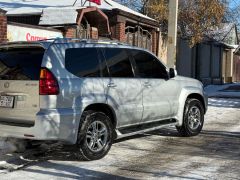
<point x="193" y="118"/>
<point x="95" y="135"/>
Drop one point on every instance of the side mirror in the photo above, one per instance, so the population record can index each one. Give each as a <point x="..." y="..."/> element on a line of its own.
<point x="172" y="73"/>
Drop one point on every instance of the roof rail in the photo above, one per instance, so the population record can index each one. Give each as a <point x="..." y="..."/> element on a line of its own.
<point x="78" y="40"/>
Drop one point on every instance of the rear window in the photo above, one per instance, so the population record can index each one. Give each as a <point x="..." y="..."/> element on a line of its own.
<point x="20" y="63"/>
<point x="82" y="62"/>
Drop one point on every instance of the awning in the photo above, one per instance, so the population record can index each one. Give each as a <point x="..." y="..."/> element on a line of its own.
<point x="59" y="16"/>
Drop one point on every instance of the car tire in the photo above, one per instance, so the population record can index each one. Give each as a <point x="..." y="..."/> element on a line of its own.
<point x="193" y="118"/>
<point x="95" y="135"/>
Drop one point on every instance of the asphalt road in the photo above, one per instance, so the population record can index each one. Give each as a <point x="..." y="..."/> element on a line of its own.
<point x="214" y="154"/>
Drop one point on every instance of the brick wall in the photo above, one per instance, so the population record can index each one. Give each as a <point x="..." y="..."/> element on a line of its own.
<point x="94" y="33"/>
<point x="69" y="32"/>
<point x="154" y="42"/>
<point x="3" y="27"/>
<point x="120" y="31"/>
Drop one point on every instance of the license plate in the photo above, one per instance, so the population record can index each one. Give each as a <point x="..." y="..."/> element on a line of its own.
<point x="6" y="101"/>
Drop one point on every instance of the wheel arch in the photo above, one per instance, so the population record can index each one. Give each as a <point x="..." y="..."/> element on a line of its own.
<point x="198" y="97"/>
<point x="189" y="92"/>
<point x="105" y="108"/>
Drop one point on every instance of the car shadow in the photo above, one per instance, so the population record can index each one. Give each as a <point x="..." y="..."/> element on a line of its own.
<point x="69" y="171"/>
<point x="206" y="139"/>
<point x="59" y="160"/>
<point x="63" y="152"/>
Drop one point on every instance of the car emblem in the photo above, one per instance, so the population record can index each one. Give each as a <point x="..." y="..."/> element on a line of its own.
<point x="6" y="84"/>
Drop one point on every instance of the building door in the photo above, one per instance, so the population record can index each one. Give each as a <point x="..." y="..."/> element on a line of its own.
<point x="159" y="94"/>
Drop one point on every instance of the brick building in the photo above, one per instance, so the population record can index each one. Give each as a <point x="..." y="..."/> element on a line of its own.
<point x="3" y="26"/>
<point x="109" y="20"/>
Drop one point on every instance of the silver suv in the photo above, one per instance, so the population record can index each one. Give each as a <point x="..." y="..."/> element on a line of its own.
<point x="89" y="93"/>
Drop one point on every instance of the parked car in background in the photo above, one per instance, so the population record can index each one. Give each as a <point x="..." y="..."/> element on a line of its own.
<point x="89" y="93"/>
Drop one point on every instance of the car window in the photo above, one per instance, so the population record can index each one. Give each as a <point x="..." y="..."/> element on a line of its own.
<point x="103" y="65"/>
<point x="148" y="66"/>
<point x="118" y="62"/>
<point x="21" y="63"/>
<point x="82" y="62"/>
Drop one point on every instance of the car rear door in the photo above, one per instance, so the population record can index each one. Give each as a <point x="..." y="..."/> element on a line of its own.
<point x="153" y="76"/>
<point x="19" y="83"/>
<point x="124" y="92"/>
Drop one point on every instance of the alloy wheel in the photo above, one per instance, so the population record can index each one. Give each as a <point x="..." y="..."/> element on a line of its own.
<point x="97" y="135"/>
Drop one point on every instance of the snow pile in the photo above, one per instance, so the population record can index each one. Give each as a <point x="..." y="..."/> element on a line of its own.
<point x="221" y="90"/>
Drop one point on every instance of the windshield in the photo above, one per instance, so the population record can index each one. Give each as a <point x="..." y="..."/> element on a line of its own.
<point x="20" y="63"/>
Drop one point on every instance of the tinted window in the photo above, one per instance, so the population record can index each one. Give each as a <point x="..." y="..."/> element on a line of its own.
<point x="103" y="65"/>
<point x="82" y="62"/>
<point x="21" y="63"/>
<point x="148" y="66"/>
<point x="118" y="62"/>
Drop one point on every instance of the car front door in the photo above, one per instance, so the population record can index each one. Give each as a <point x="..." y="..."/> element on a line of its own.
<point x="124" y="92"/>
<point x="154" y="80"/>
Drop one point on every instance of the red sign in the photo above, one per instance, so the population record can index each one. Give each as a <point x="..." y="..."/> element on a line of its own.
<point x="30" y="37"/>
<point x="98" y="2"/>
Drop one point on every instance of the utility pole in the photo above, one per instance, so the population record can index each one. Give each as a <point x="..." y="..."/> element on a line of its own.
<point x="172" y="33"/>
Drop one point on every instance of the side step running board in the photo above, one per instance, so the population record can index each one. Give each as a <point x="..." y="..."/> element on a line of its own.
<point x="143" y="128"/>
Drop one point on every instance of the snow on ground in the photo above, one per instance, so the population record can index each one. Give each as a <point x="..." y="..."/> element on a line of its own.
<point x="223" y="90"/>
<point x="9" y="145"/>
<point x="162" y="154"/>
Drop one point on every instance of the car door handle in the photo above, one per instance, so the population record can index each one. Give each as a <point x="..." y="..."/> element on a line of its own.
<point x="112" y="85"/>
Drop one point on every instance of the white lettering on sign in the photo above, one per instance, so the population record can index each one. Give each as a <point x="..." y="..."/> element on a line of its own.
<point x="19" y="33"/>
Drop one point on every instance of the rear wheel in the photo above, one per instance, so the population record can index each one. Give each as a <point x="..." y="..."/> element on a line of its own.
<point x="95" y="135"/>
<point x="193" y="118"/>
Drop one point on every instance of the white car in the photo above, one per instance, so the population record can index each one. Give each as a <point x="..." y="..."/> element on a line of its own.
<point x="89" y="93"/>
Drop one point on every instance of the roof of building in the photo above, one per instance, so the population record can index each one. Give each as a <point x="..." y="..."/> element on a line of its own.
<point x="2" y="11"/>
<point x="220" y="33"/>
<point x="36" y="7"/>
<point x="56" y="16"/>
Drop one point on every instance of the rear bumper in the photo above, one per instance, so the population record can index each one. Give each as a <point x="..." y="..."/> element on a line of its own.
<point x="54" y="124"/>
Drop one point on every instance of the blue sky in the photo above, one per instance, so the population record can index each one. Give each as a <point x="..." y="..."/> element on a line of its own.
<point x="234" y="3"/>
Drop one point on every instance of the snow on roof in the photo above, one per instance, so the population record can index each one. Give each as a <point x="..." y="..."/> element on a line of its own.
<point x="221" y="32"/>
<point x="30" y="7"/>
<point x="56" y="16"/>
<point x="126" y="9"/>
<point x="237" y="50"/>
<point x="2" y="11"/>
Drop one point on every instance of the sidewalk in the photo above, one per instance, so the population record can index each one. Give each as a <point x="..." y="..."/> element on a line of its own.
<point x="224" y="91"/>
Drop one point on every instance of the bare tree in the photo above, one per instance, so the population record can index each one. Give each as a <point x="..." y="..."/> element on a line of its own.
<point x="232" y="13"/>
<point x="196" y="17"/>
<point x="133" y="4"/>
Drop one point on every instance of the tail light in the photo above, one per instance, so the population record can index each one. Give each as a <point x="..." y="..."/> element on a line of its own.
<point x="48" y="84"/>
